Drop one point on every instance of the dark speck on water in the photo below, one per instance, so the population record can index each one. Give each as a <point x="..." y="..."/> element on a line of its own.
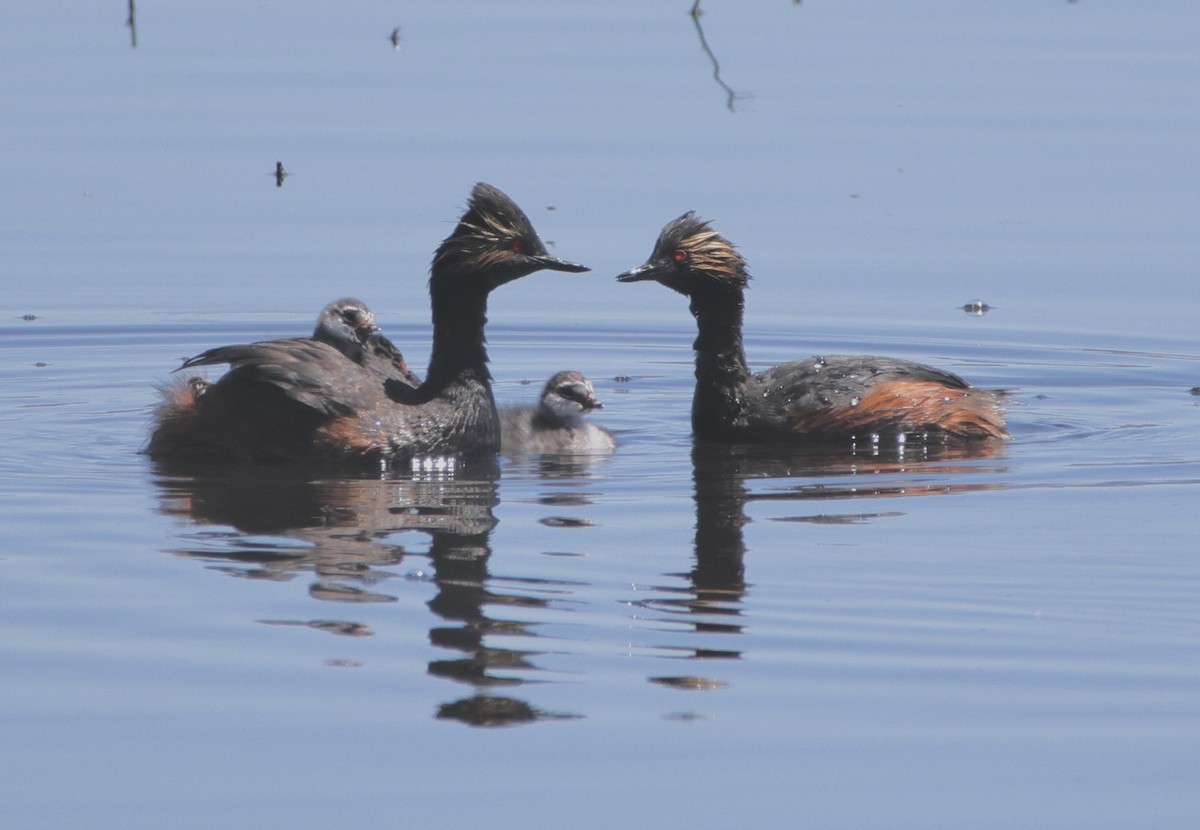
<point x="689" y="683"/>
<point x="563" y="521"/>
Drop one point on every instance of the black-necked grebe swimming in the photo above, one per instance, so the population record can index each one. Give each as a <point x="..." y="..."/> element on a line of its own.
<point x="303" y="399"/>
<point x="820" y="399"/>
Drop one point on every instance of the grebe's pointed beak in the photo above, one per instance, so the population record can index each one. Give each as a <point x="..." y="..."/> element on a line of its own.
<point x="649" y="271"/>
<point x="556" y="264"/>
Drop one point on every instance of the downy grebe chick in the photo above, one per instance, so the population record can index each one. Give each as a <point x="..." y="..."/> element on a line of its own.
<point x="346" y="324"/>
<point x="821" y="399"/>
<point x="302" y="399"/>
<point x="556" y="424"/>
<point x="179" y="397"/>
<point x="349" y="326"/>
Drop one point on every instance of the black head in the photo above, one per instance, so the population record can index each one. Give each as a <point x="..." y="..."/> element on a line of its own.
<point x="346" y="324"/>
<point x="690" y="256"/>
<point x="494" y="243"/>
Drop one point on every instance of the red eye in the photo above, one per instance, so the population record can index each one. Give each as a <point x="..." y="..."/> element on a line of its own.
<point x="517" y="246"/>
<point x="680" y="255"/>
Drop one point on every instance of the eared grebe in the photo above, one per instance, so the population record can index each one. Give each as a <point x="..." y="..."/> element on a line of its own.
<point x="556" y="424"/>
<point x="820" y="399"/>
<point x="303" y="399"/>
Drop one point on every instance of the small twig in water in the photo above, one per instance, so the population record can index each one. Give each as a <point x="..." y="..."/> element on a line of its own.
<point x="731" y="95"/>
<point x="131" y="22"/>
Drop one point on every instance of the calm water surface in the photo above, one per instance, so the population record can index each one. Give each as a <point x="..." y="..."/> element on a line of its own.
<point x="677" y="634"/>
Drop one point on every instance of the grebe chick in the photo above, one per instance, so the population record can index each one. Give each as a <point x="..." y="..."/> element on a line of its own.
<point x="349" y="326"/>
<point x="556" y="424"/>
<point x="178" y="398"/>
<point x="821" y="399"/>
<point x="302" y="399"/>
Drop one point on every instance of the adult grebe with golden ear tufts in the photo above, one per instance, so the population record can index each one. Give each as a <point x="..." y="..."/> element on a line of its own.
<point x="303" y="399"/>
<point x="821" y="399"/>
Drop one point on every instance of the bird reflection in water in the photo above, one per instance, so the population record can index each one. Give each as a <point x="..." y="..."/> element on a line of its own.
<point x="728" y="478"/>
<point x="351" y="537"/>
<point x="347" y="532"/>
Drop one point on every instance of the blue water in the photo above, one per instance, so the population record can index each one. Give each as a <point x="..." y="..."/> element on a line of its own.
<point x="672" y="635"/>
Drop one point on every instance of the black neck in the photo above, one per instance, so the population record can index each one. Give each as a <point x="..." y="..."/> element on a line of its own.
<point x="459" y="347"/>
<point x="721" y="370"/>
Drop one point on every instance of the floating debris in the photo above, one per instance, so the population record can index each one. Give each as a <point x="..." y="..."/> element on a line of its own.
<point x="564" y="521"/>
<point x="343" y="628"/>
<point x="487" y="710"/>
<point x="568" y="499"/>
<point x="337" y="592"/>
<point x="839" y="518"/>
<point x="690" y="683"/>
